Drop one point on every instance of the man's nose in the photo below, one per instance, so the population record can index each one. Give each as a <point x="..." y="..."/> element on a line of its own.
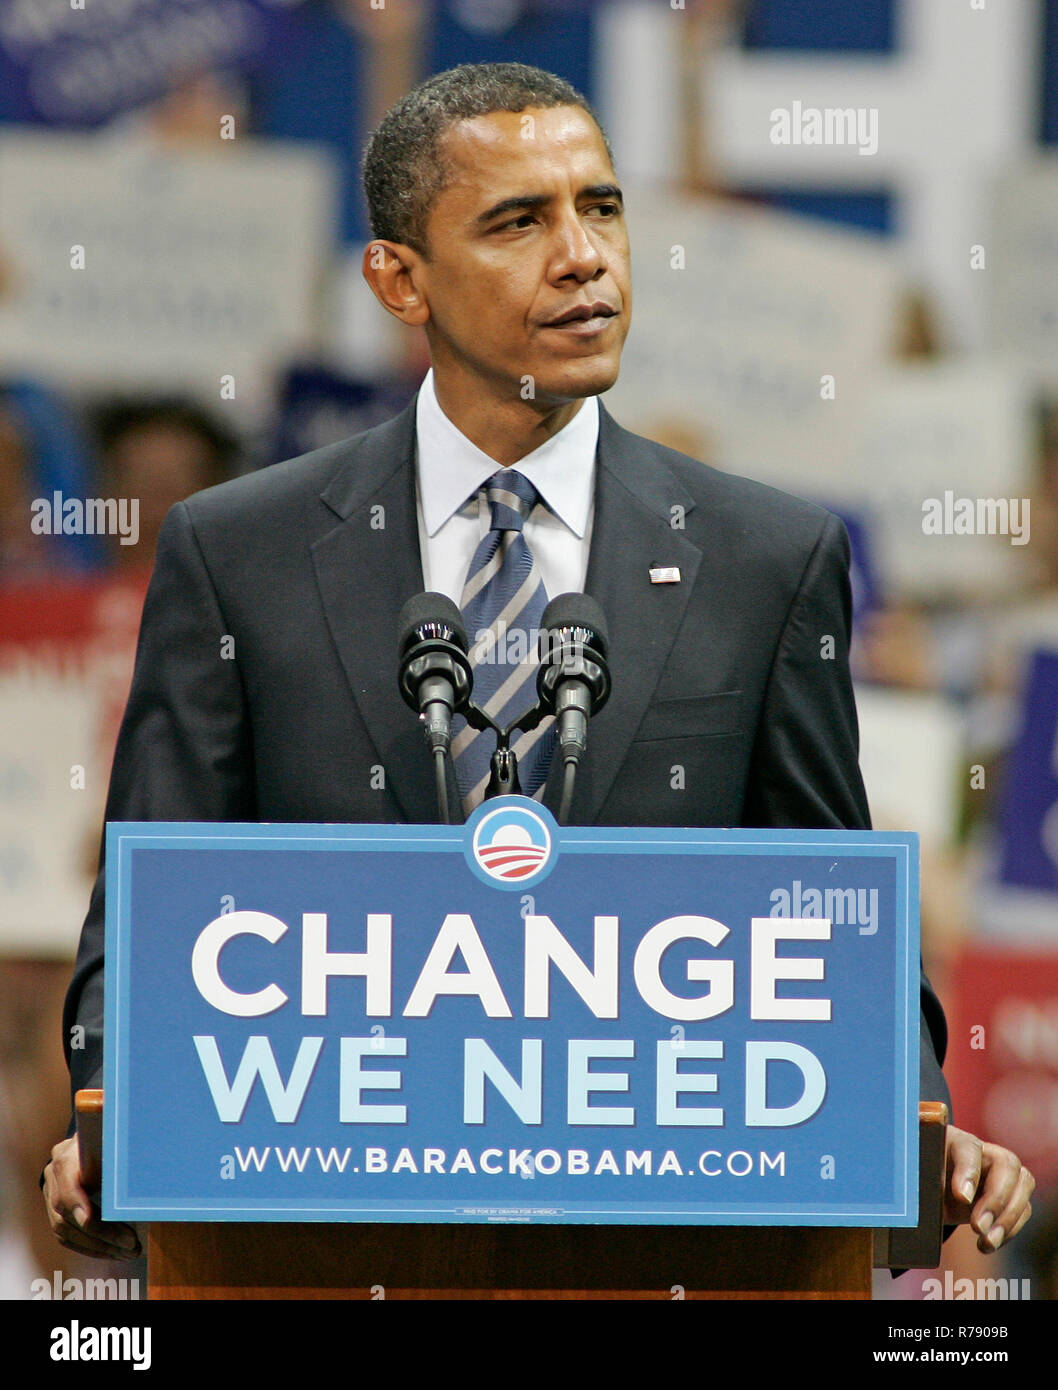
<point x="577" y="253"/>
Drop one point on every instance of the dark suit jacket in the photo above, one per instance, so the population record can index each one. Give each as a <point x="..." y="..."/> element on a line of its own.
<point x="306" y="565"/>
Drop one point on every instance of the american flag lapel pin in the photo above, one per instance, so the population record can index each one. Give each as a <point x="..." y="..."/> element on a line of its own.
<point x="664" y="574"/>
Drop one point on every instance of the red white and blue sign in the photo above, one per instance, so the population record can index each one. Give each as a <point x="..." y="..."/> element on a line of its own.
<point x="511" y="1021"/>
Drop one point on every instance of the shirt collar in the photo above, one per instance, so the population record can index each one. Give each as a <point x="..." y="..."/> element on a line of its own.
<point x="451" y="468"/>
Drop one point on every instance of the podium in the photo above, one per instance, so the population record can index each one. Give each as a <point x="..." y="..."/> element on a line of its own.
<point x="641" y="967"/>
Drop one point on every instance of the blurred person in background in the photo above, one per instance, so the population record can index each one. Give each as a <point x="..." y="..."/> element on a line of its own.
<point x="158" y="452"/>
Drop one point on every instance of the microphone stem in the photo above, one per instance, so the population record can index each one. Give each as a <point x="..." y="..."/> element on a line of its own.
<point x="441" y="777"/>
<point x="569" y="777"/>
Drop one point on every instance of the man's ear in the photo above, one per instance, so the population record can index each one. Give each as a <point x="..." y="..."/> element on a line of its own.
<point x="390" y="268"/>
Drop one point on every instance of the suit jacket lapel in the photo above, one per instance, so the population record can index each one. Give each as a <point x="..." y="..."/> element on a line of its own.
<point x="635" y="528"/>
<point x="367" y="567"/>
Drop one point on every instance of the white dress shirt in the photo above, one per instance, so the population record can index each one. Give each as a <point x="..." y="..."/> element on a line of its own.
<point x="451" y="471"/>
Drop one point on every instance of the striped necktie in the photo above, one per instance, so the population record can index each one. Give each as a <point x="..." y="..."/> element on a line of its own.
<point x="503" y="602"/>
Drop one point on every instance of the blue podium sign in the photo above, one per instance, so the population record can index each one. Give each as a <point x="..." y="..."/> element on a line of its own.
<point x="511" y="1021"/>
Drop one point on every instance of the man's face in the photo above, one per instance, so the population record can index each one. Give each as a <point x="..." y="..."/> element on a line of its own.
<point x="529" y="229"/>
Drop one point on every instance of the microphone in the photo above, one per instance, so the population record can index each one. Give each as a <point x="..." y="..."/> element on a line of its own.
<point x="435" y="676"/>
<point x="573" y="682"/>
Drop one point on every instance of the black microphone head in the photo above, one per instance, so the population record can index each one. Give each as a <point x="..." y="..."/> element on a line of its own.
<point x="430" y="615"/>
<point x="573" y="647"/>
<point x="577" y="611"/>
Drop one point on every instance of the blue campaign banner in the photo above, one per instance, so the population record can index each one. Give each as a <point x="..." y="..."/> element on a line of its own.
<point x="511" y="1021"/>
<point x="80" y="65"/>
<point x="1028" y="816"/>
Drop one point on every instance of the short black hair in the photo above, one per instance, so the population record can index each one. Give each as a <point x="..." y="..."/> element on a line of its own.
<point x="403" y="167"/>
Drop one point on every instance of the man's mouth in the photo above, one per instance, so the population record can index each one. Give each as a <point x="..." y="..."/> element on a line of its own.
<point x="584" y="318"/>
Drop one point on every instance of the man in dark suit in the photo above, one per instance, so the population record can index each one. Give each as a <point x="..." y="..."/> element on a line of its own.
<point x="264" y="685"/>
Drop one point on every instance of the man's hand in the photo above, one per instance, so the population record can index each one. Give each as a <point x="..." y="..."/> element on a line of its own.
<point x="70" y="1212"/>
<point x="987" y="1187"/>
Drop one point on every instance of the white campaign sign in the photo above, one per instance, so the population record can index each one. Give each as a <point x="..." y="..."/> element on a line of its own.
<point x="910" y="749"/>
<point x="49" y="831"/>
<point x="1024" y="278"/>
<point x="740" y="316"/>
<point x="194" y="265"/>
<point x="945" y="468"/>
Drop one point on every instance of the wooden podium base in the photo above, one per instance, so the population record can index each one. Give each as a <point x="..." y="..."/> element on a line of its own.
<point x="303" y="1260"/>
<point x="236" y="1260"/>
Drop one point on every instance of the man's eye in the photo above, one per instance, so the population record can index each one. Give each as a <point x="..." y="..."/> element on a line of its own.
<point x="611" y="209"/>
